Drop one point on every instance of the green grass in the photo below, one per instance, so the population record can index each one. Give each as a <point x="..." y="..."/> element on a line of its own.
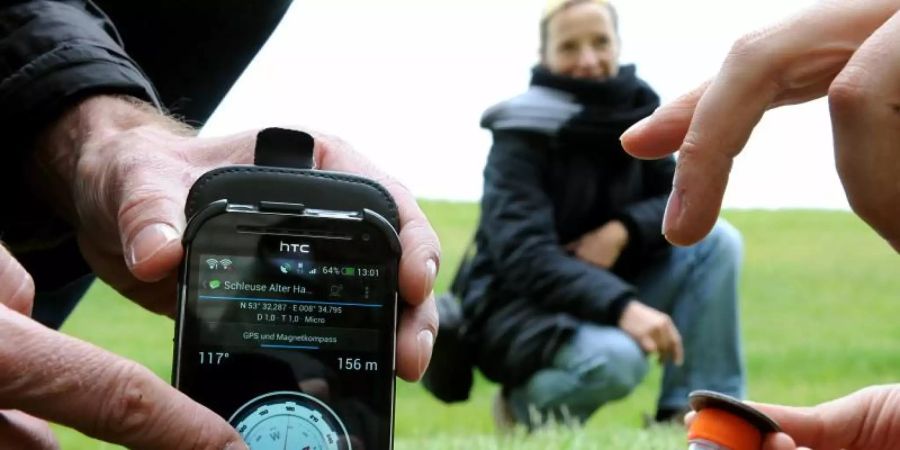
<point x="820" y="298"/>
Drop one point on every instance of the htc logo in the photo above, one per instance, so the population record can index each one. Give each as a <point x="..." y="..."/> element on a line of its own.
<point x="293" y="248"/>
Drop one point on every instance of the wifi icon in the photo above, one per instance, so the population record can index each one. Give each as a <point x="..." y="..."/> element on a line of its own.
<point x="225" y="263"/>
<point x="212" y="263"/>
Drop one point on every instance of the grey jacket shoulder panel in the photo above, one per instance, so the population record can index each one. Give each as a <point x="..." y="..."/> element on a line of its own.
<point x="540" y="109"/>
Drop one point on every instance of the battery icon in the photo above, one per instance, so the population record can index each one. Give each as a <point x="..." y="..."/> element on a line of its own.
<point x="348" y="271"/>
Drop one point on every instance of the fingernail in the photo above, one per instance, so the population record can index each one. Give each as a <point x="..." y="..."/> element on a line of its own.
<point x="150" y="241"/>
<point x="636" y="128"/>
<point x="426" y="344"/>
<point x="673" y="210"/>
<point x="430" y="276"/>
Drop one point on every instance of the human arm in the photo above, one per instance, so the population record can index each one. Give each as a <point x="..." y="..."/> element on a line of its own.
<point x="634" y="234"/>
<point x="845" y="50"/>
<point x="53" y="53"/>
<point x="45" y="374"/>
<point x="120" y="171"/>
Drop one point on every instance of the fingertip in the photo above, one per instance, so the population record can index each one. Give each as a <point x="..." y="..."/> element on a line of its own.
<point x="415" y="339"/>
<point x="419" y="268"/>
<point x="663" y="132"/>
<point x="689" y="418"/>
<point x="652" y="138"/>
<point x="236" y="445"/>
<point x="631" y="138"/>
<point x="687" y="221"/>
<point x="779" y="441"/>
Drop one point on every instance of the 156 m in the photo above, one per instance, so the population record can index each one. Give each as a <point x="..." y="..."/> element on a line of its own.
<point x="357" y="364"/>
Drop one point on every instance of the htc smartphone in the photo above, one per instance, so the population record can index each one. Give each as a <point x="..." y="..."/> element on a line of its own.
<point x="286" y="324"/>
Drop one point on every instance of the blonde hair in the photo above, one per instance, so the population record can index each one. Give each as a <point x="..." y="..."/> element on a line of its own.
<point x="552" y="6"/>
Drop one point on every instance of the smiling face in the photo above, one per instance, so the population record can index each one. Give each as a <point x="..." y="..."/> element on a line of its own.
<point x="580" y="40"/>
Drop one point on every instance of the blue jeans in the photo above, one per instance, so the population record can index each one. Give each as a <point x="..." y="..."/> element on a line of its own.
<point x="697" y="287"/>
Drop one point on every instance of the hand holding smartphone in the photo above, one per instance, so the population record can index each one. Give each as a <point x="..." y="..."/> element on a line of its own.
<point x="288" y="307"/>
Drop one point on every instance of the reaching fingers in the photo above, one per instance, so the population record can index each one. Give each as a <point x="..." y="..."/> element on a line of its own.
<point x="16" y="285"/>
<point x="865" y="109"/>
<point x="668" y="342"/>
<point x="415" y="338"/>
<point x="421" y="249"/>
<point x="61" y="379"/>
<point x="663" y="132"/>
<point x="790" y="62"/>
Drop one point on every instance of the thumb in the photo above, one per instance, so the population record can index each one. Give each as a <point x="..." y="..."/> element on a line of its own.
<point x="803" y="424"/>
<point x="151" y="225"/>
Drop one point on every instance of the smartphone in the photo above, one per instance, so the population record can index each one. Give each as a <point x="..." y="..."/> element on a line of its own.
<point x="287" y="322"/>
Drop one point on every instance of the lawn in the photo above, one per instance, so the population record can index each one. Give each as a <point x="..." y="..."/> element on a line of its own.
<point x="820" y="307"/>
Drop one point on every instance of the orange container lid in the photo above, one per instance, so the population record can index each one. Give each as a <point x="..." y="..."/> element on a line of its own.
<point x="725" y="429"/>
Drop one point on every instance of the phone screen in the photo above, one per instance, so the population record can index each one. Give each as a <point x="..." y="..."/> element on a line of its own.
<point x="287" y="330"/>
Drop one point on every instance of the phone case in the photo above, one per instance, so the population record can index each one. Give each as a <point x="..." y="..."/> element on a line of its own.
<point x="299" y="184"/>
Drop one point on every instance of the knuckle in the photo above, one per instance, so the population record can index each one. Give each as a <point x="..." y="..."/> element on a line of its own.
<point x="145" y="203"/>
<point x="753" y="45"/>
<point x="848" y="92"/>
<point x="690" y="148"/>
<point x="128" y="409"/>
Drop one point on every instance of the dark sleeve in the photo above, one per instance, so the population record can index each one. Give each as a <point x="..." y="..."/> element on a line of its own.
<point x="643" y="219"/>
<point x="53" y="53"/>
<point x="518" y="221"/>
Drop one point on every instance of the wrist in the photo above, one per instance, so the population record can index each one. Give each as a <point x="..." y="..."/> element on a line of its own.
<point x="617" y="309"/>
<point x="621" y="233"/>
<point x="82" y="128"/>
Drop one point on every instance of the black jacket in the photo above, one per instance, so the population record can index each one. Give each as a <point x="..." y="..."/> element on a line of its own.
<point x="555" y="172"/>
<point x="181" y="55"/>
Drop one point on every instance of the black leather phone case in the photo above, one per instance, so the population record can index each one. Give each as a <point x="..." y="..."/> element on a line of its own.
<point x="296" y="184"/>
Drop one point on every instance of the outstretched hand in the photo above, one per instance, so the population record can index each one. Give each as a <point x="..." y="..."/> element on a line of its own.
<point x="849" y="51"/>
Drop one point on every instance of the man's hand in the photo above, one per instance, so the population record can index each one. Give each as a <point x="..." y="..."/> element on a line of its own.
<point x="847" y="50"/>
<point x="48" y="375"/>
<point x="865" y="420"/>
<point x="603" y="246"/>
<point x="653" y="330"/>
<point x="127" y="170"/>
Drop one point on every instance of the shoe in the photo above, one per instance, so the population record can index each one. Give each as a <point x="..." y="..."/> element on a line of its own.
<point x="504" y="420"/>
<point x="666" y="416"/>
